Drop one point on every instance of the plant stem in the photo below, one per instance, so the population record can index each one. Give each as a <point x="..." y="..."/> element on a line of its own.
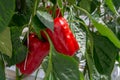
<point x="17" y="74"/>
<point x="33" y="12"/>
<point x="49" y="69"/>
<point x="36" y="74"/>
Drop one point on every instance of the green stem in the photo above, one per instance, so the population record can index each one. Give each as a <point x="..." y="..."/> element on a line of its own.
<point x="83" y="11"/>
<point x="17" y="74"/>
<point x="36" y="74"/>
<point x="54" y="11"/>
<point x="49" y="69"/>
<point x="33" y="13"/>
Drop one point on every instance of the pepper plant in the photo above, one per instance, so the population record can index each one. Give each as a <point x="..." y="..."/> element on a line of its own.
<point x="68" y="39"/>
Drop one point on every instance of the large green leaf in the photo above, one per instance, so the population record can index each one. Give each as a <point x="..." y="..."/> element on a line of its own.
<point x="111" y="6"/>
<point x="104" y="54"/>
<point x="5" y="42"/>
<point x="2" y="68"/>
<point x="19" y="50"/>
<point x="6" y="12"/>
<point x="46" y="19"/>
<point x="65" y="68"/>
<point x="105" y="31"/>
<point x="61" y="67"/>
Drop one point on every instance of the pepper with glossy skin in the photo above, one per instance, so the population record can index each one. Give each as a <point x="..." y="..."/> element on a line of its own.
<point x="62" y="37"/>
<point x="38" y="50"/>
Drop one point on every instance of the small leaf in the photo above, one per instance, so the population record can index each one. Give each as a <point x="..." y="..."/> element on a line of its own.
<point x="46" y="19"/>
<point x="85" y="4"/>
<point x="111" y="6"/>
<point x="2" y="69"/>
<point x="104" y="54"/>
<point x="5" y="42"/>
<point x="37" y="24"/>
<point x="60" y="3"/>
<point x="6" y="12"/>
<point x="19" y="50"/>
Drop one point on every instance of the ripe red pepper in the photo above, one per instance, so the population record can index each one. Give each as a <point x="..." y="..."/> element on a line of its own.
<point x="37" y="52"/>
<point x="62" y="37"/>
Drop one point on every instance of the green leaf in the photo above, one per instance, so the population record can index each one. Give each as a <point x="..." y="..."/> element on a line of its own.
<point x="37" y="25"/>
<point x="18" y="20"/>
<point x="46" y="19"/>
<point x="5" y="42"/>
<point x="22" y="16"/>
<point x="105" y="31"/>
<point x="104" y="54"/>
<point x="116" y="3"/>
<point x="6" y="12"/>
<point x="65" y="67"/>
<point x="71" y="1"/>
<point x="85" y="4"/>
<point x="62" y="67"/>
<point x="2" y="69"/>
<point x="81" y="76"/>
<point x="94" y="4"/>
<point x="60" y="3"/>
<point x="19" y="50"/>
<point x="111" y="6"/>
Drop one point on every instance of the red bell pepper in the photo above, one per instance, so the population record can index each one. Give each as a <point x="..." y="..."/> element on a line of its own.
<point x="62" y="37"/>
<point x="37" y="52"/>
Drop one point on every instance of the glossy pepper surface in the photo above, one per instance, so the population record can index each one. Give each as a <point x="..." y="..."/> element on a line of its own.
<point x="62" y="37"/>
<point x="37" y="52"/>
